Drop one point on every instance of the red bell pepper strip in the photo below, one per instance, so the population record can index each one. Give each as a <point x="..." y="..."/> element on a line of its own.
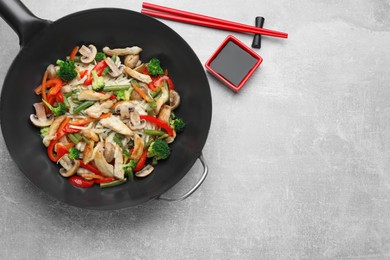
<point x="141" y="161"/>
<point x="99" y="68"/>
<point x="70" y="130"/>
<point x="80" y="182"/>
<point x="74" y="52"/>
<point x="62" y="149"/>
<point x="90" y="168"/>
<point x="104" y="180"/>
<point x="159" y="123"/>
<point x="55" y="84"/>
<point x="159" y="80"/>
<point x="60" y="97"/>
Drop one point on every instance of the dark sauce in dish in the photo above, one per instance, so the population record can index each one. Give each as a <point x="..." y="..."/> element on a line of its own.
<point x="233" y="63"/>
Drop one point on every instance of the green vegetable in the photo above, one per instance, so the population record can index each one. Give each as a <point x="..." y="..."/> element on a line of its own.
<point x="154" y="67"/>
<point x="100" y="56"/>
<point x="178" y="124"/>
<point x="73" y="153"/>
<point x="154" y="132"/>
<point x="158" y="150"/>
<point x="114" y="57"/>
<point x="75" y="138"/>
<point x="67" y="70"/>
<point x="112" y="184"/>
<point x="122" y="95"/>
<point x="98" y="82"/>
<point x="59" y="110"/>
<point x="118" y="140"/>
<point x="106" y="71"/>
<point x="76" y="58"/>
<point x="83" y="106"/>
<point x="116" y="88"/>
<point x="44" y="131"/>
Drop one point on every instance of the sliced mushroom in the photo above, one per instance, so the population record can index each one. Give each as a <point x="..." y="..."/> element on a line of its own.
<point x="131" y="61"/>
<point x="40" y="119"/>
<point x="138" y="76"/>
<point x="93" y="95"/>
<point x="88" y="53"/>
<point x="115" y="70"/>
<point x="148" y="169"/>
<point x="70" y="166"/>
<point x="109" y="150"/>
<point x="138" y="148"/>
<point x="124" y="109"/>
<point x="117" y="125"/>
<point x="51" y="71"/>
<point x="98" y="109"/>
<point x="105" y="168"/>
<point x="122" y="51"/>
<point x="174" y="99"/>
<point x="161" y="100"/>
<point x="135" y="122"/>
<point x="119" y="173"/>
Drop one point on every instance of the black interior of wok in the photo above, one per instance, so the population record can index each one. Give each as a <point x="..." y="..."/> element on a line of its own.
<point x="114" y="28"/>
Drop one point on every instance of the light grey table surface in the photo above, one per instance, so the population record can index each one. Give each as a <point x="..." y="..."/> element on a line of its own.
<point x="299" y="159"/>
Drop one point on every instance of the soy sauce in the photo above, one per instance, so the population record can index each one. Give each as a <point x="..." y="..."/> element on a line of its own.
<point x="233" y="63"/>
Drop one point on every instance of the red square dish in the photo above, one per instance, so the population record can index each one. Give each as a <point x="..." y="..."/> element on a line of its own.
<point x="233" y="63"/>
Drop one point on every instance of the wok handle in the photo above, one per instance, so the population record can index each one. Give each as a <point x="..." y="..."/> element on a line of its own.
<point x="197" y="185"/>
<point x="21" y="20"/>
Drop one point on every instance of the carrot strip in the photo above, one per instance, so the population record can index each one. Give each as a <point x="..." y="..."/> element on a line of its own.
<point x="43" y="90"/>
<point x="141" y="93"/>
<point x="74" y="52"/>
<point x="88" y="120"/>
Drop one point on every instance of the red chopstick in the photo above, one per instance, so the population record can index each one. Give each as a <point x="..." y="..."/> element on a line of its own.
<point x="203" y="20"/>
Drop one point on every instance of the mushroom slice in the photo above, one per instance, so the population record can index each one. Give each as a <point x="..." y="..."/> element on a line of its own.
<point x="105" y="168"/>
<point x="119" y="173"/>
<point x="109" y="150"/>
<point x="122" y="52"/>
<point x="138" y="76"/>
<point x="148" y="169"/>
<point x="174" y="99"/>
<point x="115" y="70"/>
<point x="88" y="152"/>
<point x="40" y="119"/>
<point x="70" y="166"/>
<point x="138" y="148"/>
<point x="135" y="122"/>
<point x="162" y="99"/>
<point x="131" y="61"/>
<point x="117" y="125"/>
<point x="124" y="109"/>
<point x="93" y="95"/>
<point x="51" y="71"/>
<point x="89" y="53"/>
<point x="53" y="130"/>
<point x="165" y="113"/>
<point x="98" y="109"/>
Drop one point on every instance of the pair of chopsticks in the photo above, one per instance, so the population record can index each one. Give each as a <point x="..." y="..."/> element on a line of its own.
<point x="163" y="12"/>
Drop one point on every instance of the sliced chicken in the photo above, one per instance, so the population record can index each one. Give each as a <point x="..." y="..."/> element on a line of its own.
<point x="52" y="130"/>
<point x="118" y="166"/>
<point x="98" y="109"/>
<point x="138" y="148"/>
<point x="88" y="152"/>
<point x="165" y="113"/>
<point x="104" y="167"/>
<point x="122" y="51"/>
<point x="117" y="125"/>
<point x="93" y="95"/>
<point x="138" y="76"/>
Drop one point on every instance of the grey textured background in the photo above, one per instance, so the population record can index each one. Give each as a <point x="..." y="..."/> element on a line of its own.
<point x="298" y="159"/>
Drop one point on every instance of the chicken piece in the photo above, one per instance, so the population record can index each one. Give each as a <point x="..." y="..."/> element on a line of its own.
<point x="138" y="76"/>
<point x="119" y="173"/>
<point x="138" y="148"/>
<point x="88" y="152"/>
<point x="105" y="168"/>
<point x="117" y="125"/>
<point x="98" y="109"/>
<point x="165" y="113"/>
<point x="93" y="95"/>
<point x="52" y="130"/>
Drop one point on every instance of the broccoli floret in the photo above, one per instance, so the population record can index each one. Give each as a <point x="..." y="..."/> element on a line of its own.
<point x="59" y="110"/>
<point x="178" y="124"/>
<point x="73" y="153"/>
<point x="159" y="150"/>
<point x="122" y="95"/>
<point x="154" y="67"/>
<point x="67" y="70"/>
<point x="98" y="82"/>
<point x="44" y="131"/>
<point x="100" y="56"/>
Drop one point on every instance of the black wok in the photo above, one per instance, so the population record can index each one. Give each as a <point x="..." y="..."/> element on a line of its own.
<point x="42" y="42"/>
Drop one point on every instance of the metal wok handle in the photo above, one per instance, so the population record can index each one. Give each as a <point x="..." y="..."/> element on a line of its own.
<point x="21" y="20"/>
<point x="197" y="185"/>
